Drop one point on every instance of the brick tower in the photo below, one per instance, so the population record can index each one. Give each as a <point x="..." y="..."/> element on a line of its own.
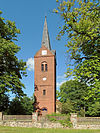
<point x="45" y="76"/>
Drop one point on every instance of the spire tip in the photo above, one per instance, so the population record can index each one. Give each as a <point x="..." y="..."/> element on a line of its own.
<point x="45" y="38"/>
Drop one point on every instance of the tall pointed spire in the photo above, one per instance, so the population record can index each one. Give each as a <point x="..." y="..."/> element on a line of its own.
<point x="45" y="38"/>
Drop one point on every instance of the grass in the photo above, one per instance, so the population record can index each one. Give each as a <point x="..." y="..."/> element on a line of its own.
<point x="38" y="130"/>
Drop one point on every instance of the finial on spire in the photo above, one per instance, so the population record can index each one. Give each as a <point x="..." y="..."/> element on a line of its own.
<point x="45" y="38"/>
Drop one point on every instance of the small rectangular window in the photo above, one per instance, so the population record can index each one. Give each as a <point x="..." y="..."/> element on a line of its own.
<point x="44" y="92"/>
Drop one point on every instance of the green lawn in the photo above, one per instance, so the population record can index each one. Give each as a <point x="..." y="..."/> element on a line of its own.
<point x="37" y="130"/>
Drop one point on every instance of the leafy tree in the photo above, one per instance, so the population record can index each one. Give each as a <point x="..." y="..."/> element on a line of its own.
<point x="67" y="107"/>
<point x="94" y="109"/>
<point x="11" y="69"/>
<point x="82" y="26"/>
<point x="21" y="106"/>
<point x="27" y="104"/>
<point x="15" y="107"/>
<point x="72" y="94"/>
<point x="4" y="102"/>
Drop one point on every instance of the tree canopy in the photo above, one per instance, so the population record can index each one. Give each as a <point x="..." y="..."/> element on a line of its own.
<point x="82" y="27"/>
<point x="11" y="68"/>
<point x="71" y="96"/>
<point x="21" y="106"/>
<point x="74" y="92"/>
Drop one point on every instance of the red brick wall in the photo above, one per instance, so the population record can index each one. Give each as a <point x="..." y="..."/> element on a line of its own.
<point x="48" y="100"/>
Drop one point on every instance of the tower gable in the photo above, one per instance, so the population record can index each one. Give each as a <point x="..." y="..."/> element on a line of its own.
<point x="44" y="52"/>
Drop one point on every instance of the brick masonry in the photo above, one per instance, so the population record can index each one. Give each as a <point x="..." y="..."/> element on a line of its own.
<point x="47" y="101"/>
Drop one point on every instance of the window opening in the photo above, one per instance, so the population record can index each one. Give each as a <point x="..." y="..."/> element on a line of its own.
<point x="44" y="109"/>
<point x="44" y="67"/>
<point x="44" y="92"/>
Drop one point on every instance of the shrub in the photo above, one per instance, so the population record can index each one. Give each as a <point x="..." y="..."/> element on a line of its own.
<point x="65" y="121"/>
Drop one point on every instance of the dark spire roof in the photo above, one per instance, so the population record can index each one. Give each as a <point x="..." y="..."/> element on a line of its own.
<point x="45" y="38"/>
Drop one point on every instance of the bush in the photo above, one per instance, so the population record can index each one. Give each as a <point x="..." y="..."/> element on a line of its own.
<point x="52" y="119"/>
<point x="65" y="121"/>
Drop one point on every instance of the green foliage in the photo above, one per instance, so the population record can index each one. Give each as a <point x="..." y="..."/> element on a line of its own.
<point x="82" y="26"/>
<point x="4" y="102"/>
<point x="94" y="109"/>
<point x="65" y="121"/>
<point x="82" y="112"/>
<point x="52" y="119"/>
<point x="11" y="69"/>
<point x="56" y="114"/>
<point x="67" y="107"/>
<point x="22" y="106"/>
<point x="27" y="104"/>
<point x="72" y="95"/>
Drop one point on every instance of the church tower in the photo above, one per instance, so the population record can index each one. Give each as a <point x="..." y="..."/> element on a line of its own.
<point x="45" y="76"/>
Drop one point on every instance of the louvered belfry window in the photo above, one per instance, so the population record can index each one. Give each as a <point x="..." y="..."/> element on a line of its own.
<point x="44" y="67"/>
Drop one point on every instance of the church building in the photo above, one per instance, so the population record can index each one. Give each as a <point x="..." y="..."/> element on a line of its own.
<point x="45" y="76"/>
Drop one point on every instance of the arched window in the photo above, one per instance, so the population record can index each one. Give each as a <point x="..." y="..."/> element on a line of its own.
<point x="44" y="92"/>
<point x="44" y="109"/>
<point x="44" y="67"/>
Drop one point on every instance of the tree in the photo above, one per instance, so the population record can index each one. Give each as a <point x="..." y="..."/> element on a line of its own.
<point x="72" y="93"/>
<point x="11" y="69"/>
<point x="71" y="96"/>
<point x="82" y="25"/>
<point x="27" y="104"/>
<point x="94" y="109"/>
<point x="67" y="107"/>
<point x="4" y="102"/>
<point x="21" y="106"/>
